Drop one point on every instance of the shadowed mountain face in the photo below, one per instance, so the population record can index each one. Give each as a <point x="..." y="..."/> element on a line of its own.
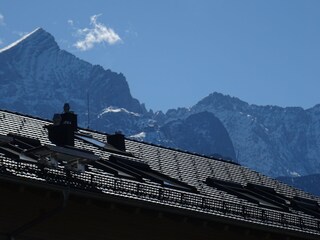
<point x="201" y="132"/>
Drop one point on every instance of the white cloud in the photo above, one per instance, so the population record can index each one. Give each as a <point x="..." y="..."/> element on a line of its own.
<point x="99" y="33"/>
<point x="2" y="23"/>
<point x="70" y="22"/>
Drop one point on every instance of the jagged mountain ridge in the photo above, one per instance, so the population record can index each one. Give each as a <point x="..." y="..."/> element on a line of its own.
<point x="274" y="140"/>
<point x="37" y="77"/>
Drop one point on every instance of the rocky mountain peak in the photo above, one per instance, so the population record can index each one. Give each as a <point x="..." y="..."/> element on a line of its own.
<point x="38" y="40"/>
<point x="221" y="101"/>
<point x="37" y="77"/>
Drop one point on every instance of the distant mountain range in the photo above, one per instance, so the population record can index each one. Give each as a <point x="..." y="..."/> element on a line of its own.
<point x="273" y="140"/>
<point x="37" y="78"/>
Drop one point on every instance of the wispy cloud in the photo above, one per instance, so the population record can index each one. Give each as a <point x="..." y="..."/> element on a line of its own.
<point x="1" y="42"/>
<point x="2" y="23"/>
<point x="70" y="22"/>
<point x="98" y="33"/>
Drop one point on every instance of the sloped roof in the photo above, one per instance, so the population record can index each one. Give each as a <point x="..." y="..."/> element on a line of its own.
<point x="171" y="178"/>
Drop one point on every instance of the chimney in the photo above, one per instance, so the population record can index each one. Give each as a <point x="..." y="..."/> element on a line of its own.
<point x="117" y="140"/>
<point x="61" y="135"/>
<point x="64" y="125"/>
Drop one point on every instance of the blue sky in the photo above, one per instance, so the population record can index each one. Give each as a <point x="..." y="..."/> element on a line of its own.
<point x="175" y="52"/>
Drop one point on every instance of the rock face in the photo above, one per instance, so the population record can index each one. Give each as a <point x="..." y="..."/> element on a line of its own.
<point x="202" y="133"/>
<point x="273" y="140"/>
<point x="37" y="77"/>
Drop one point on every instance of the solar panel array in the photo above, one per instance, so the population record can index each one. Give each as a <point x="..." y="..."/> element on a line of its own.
<point x="189" y="168"/>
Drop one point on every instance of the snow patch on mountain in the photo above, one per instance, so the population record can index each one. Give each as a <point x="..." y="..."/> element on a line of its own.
<point x="20" y="40"/>
<point x="139" y="136"/>
<point x="112" y="109"/>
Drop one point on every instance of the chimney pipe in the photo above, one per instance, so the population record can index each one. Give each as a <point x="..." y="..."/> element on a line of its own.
<point x="117" y="140"/>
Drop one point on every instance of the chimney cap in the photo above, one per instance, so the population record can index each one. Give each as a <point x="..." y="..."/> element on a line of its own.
<point x="66" y="107"/>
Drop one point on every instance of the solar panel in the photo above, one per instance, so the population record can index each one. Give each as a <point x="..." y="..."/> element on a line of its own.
<point x="91" y="140"/>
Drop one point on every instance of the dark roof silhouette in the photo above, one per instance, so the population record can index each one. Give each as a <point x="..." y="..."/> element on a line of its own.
<point x="151" y="176"/>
